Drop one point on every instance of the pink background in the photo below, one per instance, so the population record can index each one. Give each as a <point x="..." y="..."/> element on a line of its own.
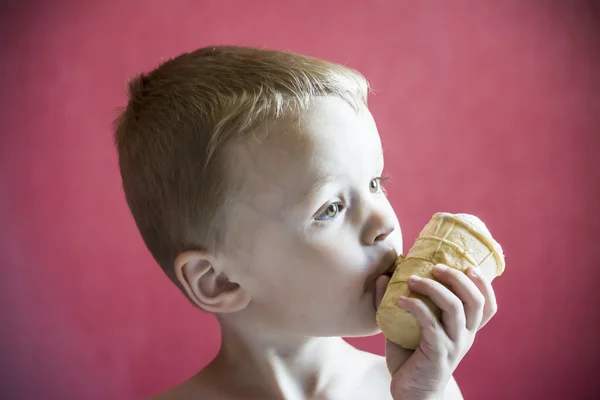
<point x="486" y="107"/>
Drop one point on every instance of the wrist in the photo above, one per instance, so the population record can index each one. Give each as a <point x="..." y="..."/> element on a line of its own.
<point x="418" y="395"/>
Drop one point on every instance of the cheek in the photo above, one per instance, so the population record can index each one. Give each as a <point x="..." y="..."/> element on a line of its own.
<point x="344" y="262"/>
<point x="316" y="271"/>
<point x="241" y="222"/>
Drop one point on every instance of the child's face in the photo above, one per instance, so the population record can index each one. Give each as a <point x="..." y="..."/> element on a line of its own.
<point x="311" y="229"/>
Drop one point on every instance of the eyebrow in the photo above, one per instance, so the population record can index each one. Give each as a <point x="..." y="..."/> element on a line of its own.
<point x="318" y="183"/>
<point x="322" y="180"/>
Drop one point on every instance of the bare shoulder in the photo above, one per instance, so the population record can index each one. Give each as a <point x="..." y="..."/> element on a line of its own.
<point x="376" y="368"/>
<point x="372" y="378"/>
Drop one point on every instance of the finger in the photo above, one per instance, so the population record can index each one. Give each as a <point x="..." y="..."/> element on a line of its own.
<point x="380" y="286"/>
<point x="466" y="290"/>
<point x="433" y="336"/>
<point x="453" y="312"/>
<point x="485" y="287"/>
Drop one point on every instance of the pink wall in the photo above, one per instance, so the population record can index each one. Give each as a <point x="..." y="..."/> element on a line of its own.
<point x="487" y="107"/>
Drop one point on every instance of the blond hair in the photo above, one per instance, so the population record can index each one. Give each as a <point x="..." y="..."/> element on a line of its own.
<point x="180" y="117"/>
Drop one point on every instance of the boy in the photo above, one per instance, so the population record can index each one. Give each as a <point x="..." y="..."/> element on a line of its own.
<point x="254" y="177"/>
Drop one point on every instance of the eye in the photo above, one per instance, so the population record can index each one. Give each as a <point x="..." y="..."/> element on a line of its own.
<point x="330" y="212"/>
<point x="374" y="185"/>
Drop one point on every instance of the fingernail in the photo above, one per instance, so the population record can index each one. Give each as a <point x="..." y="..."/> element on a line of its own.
<point x="401" y="300"/>
<point x="474" y="271"/>
<point x="415" y="278"/>
<point x="441" y="267"/>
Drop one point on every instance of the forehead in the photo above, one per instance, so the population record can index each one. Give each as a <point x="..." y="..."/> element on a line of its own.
<point x="283" y="161"/>
<point x="341" y="135"/>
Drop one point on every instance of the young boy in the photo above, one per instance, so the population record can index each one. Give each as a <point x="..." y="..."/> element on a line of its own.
<point x="254" y="177"/>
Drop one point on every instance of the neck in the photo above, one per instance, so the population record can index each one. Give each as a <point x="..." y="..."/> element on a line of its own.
<point x="290" y="368"/>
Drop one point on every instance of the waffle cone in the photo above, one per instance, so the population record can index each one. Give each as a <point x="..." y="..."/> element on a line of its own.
<point x="456" y="240"/>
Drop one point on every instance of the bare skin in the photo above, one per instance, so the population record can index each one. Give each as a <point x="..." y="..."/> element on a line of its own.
<point x="311" y="236"/>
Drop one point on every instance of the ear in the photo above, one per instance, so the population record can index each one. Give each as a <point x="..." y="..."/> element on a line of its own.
<point x="208" y="289"/>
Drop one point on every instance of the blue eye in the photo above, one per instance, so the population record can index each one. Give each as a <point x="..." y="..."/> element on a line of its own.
<point x="330" y="213"/>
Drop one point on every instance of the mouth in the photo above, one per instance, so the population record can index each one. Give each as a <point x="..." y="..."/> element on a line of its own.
<point x="387" y="268"/>
<point x="389" y="271"/>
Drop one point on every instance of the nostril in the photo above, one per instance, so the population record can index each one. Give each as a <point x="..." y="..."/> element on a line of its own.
<point x="382" y="236"/>
<point x="378" y="228"/>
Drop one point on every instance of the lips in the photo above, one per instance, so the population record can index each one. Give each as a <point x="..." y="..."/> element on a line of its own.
<point x="390" y="270"/>
<point x="387" y="267"/>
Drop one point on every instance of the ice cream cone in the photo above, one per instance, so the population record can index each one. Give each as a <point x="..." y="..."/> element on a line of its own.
<point x="456" y="240"/>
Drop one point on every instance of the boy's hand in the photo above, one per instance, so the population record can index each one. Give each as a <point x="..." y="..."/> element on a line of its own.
<point x="467" y="303"/>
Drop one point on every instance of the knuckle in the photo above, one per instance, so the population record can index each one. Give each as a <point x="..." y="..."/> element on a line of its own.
<point x="479" y="300"/>
<point x="456" y="307"/>
<point x="429" y="321"/>
<point x="432" y="321"/>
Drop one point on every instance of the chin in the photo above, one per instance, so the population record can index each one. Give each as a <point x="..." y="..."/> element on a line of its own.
<point x="363" y="333"/>
<point x="366" y="324"/>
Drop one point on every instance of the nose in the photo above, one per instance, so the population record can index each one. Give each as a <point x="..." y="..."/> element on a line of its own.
<point x="380" y="225"/>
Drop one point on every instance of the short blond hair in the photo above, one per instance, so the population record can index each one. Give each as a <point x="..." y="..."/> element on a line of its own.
<point x="180" y="117"/>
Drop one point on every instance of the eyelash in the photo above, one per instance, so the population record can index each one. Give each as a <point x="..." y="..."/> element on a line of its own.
<point x="340" y="208"/>
<point x="380" y="180"/>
